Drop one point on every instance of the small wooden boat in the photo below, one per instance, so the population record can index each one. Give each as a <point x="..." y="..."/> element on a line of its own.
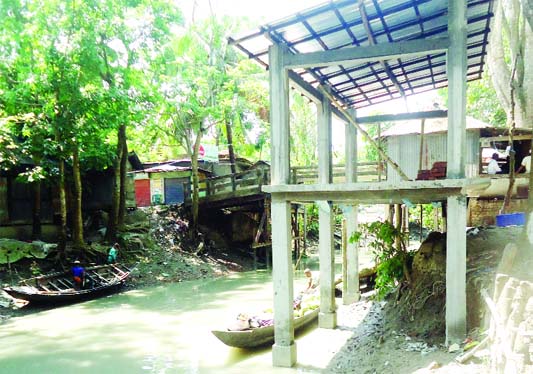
<point x="58" y="288"/>
<point x="262" y="335"/>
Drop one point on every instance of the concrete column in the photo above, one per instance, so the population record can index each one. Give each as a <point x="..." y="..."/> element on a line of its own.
<point x="325" y="171"/>
<point x="284" y="348"/>
<point x="456" y="270"/>
<point x="350" y="288"/>
<point x="279" y="117"/>
<point x="456" y="145"/>
<point x="456" y="70"/>
<point x="350" y="291"/>
<point x="327" y="318"/>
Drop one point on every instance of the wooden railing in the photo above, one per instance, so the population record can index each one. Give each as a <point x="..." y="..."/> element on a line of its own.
<point x="366" y="172"/>
<point x="239" y="183"/>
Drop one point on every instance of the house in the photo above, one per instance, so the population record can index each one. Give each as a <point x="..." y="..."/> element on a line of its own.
<point x="17" y="199"/>
<point x="165" y="183"/>
<point x="413" y="151"/>
<point x="416" y="148"/>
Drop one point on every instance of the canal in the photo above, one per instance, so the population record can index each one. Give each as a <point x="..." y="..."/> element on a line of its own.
<point x="164" y="329"/>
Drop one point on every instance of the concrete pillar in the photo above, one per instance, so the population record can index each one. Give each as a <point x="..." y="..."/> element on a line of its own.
<point x="350" y="290"/>
<point x="327" y="318"/>
<point x="325" y="169"/>
<point x="456" y="145"/>
<point x="456" y="70"/>
<point x="279" y="117"/>
<point x="456" y="270"/>
<point x="284" y="349"/>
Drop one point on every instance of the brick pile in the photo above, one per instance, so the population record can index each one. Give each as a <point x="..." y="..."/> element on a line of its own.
<point x="438" y="171"/>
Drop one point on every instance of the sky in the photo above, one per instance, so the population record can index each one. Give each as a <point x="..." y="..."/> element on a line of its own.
<point x="261" y="11"/>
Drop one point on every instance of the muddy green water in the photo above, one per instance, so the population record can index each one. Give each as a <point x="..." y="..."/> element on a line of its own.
<point x="164" y="329"/>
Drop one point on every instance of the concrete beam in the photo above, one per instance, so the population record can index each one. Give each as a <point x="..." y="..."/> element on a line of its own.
<point x="402" y="116"/>
<point x="456" y="270"/>
<point x="327" y="318"/>
<point x="284" y="348"/>
<point x="311" y="92"/>
<point x="352" y="55"/>
<point x="380" y="192"/>
<point x="279" y="116"/>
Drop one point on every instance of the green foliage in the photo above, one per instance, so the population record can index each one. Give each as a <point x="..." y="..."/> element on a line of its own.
<point x="428" y="218"/>
<point x="368" y="152"/>
<point x="303" y="131"/>
<point x="392" y="262"/>
<point x="481" y="102"/>
<point x="312" y="220"/>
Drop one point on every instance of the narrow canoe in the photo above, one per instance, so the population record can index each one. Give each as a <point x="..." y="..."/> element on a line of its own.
<point x="58" y="288"/>
<point x="260" y="336"/>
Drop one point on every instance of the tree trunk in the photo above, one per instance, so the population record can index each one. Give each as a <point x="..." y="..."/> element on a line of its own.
<point x="229" y="135"/>
<point x="62" y="237"/>
<point x="36" y="231"/>
<point x="122" y="142"/>
<point x="77" y="230"/>
<point x="514" y="38"/>
<point x="195" y="183"/>
<point x="111" y="232"/>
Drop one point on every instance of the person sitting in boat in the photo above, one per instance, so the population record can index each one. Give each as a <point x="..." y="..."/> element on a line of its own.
<point x="78" y="275"/>
<point x="313" y="280"/>
<point x="113" y="253"/>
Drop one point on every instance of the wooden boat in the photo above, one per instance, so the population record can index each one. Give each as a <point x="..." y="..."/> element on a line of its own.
<point x="58" y="288"/>
<point x="262" y="335"/>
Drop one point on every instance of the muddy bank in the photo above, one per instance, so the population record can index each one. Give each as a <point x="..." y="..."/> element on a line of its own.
<point x="156" y="242"/>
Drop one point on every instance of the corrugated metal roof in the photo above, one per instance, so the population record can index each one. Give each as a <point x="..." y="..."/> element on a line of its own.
<point x="339" y="24"/>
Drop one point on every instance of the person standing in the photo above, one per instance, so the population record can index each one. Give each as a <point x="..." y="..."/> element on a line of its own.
<point x="526" y="163"/>
<point x="493" y="167"/>
<point x="78" y="275"/>
<point x="113" y="253"/>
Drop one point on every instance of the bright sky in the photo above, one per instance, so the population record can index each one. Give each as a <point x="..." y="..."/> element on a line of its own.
<point x="261" y="11"/>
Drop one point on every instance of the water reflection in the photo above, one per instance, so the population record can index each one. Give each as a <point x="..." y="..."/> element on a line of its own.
<point x="164" y="329"/>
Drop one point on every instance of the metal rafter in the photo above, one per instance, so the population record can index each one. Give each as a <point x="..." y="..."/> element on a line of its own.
<point x="339" y="25"/>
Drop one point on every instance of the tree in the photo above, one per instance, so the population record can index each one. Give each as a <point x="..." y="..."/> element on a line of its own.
<point x="203" y="90"/>
<point x="511" y="48"/>
<point x="80" y="68"/>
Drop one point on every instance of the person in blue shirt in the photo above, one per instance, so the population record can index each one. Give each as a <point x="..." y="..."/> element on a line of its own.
<point x="78" y="275"/>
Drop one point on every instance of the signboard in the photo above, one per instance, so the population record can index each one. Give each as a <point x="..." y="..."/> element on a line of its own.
<point x="208" y="152"/>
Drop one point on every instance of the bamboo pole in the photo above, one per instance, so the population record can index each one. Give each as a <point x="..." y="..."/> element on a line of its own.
<point x="365" y="134"/>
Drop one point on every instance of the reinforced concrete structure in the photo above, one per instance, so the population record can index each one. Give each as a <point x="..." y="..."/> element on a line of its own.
<point x="345" y="55"/>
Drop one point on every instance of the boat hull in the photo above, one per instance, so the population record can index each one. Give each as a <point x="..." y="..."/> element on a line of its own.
<point x="260" y="336"/>
<point x="58" y="288"/>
